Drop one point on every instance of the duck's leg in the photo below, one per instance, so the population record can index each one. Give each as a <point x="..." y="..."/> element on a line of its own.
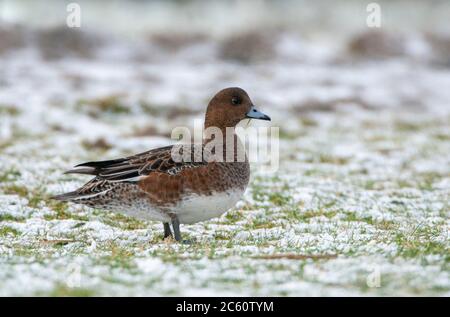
<point x="177" y="232"/>
<point x="167" y="231"/>
<point x="176" y="228"/>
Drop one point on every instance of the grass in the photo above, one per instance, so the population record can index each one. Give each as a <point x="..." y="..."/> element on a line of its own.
<point x="61" y="212"/>
<point x="10" y="110"/>
<point x="9" y="175"/>
<point x="324" y="219"/>
<point x="36" y="199"/>
<point x="7" y="231"/>
<point x="100" y="144"/>
<point x="421" y="241"/>
<point x="111" y="104"/>
<point x="287" y="135"/>
<point x="117" y="256"/>
<point x="234" y="216"/>
<point x="13" y="189"/>
<point x="306" y="216"/>
<point x="8" y="217"/>
<point x="121" y="221"/>
<point x="66" y="291"/>
<point x="327" y="159"/>
<point x="321" y="220"/>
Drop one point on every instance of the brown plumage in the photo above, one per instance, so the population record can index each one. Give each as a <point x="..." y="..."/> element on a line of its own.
<point x="155" y="185"/>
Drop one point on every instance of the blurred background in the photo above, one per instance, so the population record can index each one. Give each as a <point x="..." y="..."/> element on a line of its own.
<point x="167" y="58"/>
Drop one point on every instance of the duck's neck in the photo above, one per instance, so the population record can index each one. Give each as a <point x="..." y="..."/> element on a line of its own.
<point x="226" y="138"/>
<point x="218" y="133"/>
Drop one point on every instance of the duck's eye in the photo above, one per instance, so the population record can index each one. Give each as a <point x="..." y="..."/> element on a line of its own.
<point x="235" y="100"/>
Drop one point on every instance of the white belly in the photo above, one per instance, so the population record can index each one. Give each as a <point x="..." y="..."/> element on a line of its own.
<point x="139" y="208"/>
<point x="195" y="208"/>
<point x="191" y="209"/>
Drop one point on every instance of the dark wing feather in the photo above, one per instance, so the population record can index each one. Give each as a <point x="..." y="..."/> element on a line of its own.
<point x="130" y="169"/>
<point x="102" y="163"/>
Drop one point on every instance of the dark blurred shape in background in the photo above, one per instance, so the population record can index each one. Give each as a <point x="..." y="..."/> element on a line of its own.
<point x="175" y="54"/>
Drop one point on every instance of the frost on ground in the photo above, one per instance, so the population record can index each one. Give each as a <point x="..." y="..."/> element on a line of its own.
<point x="359" y="205"/>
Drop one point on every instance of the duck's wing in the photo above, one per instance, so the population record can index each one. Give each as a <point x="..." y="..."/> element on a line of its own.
<point x="134" y="168"/>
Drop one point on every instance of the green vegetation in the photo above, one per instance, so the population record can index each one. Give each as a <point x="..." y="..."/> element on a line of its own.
<point x="5" y="231"/>
<point x="320" y="218"/>
<point x="109" y="104"/>
<point x="65" y="291"/>
<point x="9" y="110"/>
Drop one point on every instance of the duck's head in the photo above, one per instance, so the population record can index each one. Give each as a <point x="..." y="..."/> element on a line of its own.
<point x="229" y="106"/>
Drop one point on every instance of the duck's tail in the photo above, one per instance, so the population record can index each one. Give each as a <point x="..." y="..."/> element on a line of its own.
<point x="90" y="193"/>
<point x="67" y="196"/>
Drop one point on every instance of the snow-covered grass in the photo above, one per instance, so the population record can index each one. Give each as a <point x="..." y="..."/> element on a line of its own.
<point x="359" y="206"/>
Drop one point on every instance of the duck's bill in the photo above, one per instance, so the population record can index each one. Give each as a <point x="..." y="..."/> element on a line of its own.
<point x="256" y="114"/>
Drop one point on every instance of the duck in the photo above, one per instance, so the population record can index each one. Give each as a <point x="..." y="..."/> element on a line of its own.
<point x="174" y="184"/>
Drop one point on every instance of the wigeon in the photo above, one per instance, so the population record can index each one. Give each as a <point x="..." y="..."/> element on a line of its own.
<point x="154" y="186"/>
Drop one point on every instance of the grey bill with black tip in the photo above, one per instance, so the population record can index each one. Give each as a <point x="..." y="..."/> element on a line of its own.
<point x="256" y="114"/>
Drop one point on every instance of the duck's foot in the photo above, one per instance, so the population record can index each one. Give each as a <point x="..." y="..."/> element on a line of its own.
<point x="188" y="241"/>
